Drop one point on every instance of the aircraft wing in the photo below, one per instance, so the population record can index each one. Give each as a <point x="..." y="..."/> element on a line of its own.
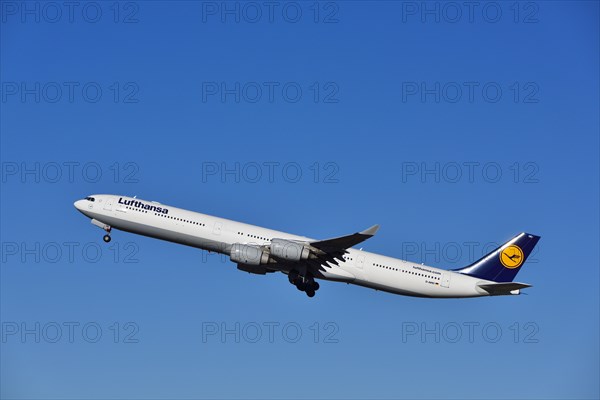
<point x="332" y="250"/>
<point x="345" y="242"/>
<point x="501" y="288"/>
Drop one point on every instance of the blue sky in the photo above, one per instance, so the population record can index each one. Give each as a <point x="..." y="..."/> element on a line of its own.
<point x="453" y="128"/>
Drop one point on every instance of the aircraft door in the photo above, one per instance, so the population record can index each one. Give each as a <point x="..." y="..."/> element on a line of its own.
<point x="445" y="279"/>
<point x="218" y="228"/>
<point x="360" y="262"/>
<point x="109" y="204"/>
<point x="359" y="267"/>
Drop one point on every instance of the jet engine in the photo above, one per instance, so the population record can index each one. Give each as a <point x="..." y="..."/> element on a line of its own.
<point x="249" y="255"/>
<point x="288" y="250"/>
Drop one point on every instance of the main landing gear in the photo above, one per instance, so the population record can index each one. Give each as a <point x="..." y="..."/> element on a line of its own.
<point x="106" y="238"/>
<point x="304" y="283"/>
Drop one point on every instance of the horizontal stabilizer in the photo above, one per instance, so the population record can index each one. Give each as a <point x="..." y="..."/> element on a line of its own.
<point x="496" y="289"/>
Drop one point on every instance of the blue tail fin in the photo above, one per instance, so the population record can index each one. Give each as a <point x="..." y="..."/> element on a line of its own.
<point x="503" y="264"/>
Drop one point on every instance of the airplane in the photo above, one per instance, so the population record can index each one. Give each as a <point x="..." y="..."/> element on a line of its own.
<point x="260" y="251"/>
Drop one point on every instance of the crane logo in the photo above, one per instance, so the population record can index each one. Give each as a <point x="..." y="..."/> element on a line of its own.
<point x="512" y="256"/>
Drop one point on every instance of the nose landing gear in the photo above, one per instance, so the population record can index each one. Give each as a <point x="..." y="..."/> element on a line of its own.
<point x="304" y="283"/>
<point x="107" y="228"/>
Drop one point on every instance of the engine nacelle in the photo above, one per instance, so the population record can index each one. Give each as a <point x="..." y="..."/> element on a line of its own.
<point x="247" y="254"/>
<point x="288" y="250"/>
<point x="253" y="269"/>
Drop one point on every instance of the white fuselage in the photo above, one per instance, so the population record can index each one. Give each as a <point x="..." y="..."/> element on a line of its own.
<point x="218" y="235"/>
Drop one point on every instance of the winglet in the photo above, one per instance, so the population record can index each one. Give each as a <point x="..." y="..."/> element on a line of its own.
<point x="371" y="231"/>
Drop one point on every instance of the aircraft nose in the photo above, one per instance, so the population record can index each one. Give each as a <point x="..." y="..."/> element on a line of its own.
<point x="79" y="204"/>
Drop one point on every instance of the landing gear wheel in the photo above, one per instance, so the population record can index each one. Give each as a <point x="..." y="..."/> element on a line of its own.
<point x="304" y="283"/>
<point x="106" y="238"/>
<point x="292" y="276"/>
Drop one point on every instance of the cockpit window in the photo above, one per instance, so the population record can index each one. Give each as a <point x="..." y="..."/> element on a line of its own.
<point x="90" y="199"/>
